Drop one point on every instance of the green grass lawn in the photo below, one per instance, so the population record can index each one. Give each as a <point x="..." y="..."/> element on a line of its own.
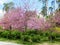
<point x="8" y="40"/>
<point x="49" y="43"/>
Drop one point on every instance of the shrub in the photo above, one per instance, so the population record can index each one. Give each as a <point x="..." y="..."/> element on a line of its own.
<point x="31" y="36"/>
<point x="31" y="32"/>
<point x="26" y="38"/>
<point x="5" y="34"/>
<point x="57" y="37"/>
<point x="15" y="35"/>
<point x="36" y="38"/>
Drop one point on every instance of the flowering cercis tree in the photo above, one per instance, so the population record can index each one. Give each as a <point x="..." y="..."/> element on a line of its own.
<point x="27" y="16"/>
<point x="22" y="19"/>
<point x="38" y="24"/>
<point x="17" y="19"/>
<point x="13" y="19"/>
<point x="57" y="18"/>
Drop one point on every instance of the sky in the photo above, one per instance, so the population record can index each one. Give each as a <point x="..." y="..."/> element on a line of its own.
<point x="33" y="4"/>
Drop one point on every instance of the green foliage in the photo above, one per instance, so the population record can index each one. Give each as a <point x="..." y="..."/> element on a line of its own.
<point x="1" y="28"/>
<point x="31" y="36"/>
<point x="44" y="11"/>
<point x="8" y="6"/>
<point x="5" y="34"/>
<point x="15" y="35"/>
<point x="57" y="28"/>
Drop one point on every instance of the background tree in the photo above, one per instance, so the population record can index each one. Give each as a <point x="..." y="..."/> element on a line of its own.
<point x="8" y="6"/>
<point x="51" y="10"/>
<point x="28" y="12"/>
<point x="17" y="19"/>
<point x="44" y="7"/>
<point x="58" y="2"/>
<point x="53" y="6"/>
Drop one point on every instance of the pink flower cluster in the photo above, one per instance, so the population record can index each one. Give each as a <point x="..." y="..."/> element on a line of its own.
<point x="57" y="17"/>
<point x="17" y="18"/>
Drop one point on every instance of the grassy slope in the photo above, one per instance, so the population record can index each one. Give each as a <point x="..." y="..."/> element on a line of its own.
<point x="57" y="29"/>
